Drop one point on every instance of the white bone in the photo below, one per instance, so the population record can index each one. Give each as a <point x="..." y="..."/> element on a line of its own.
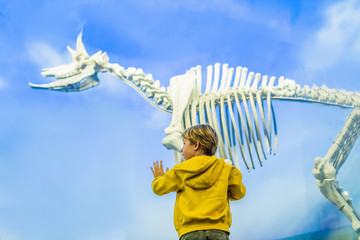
<point x="138" y="71"/>
<point x="187" y="119"/>
<point x="249" y="79"/>
<point x="269" y="117"/>
<point x="262" y="114"/>
<point x="243" y="77"/>
<point x="149" y="76"/>
<point x="225" y="128"/>
<point x="201" y="111"/>
<point x="275" y="129"/>
<point x="223" y="77"/>
<point x="237" y="77"/>
<point x="72" y="52"/>
<point x="235" y="148"/>
<point x="80" y="48"/>
<point x="281" y="81"/>
<point x="198" y="80"/>
<point x="216" y="78"/>
<point x="217" y="129"/>
<point x="272" y="82"/>
<point x="210" y="119"/>
<point x="264" y="81"/>
<point x="194" y="112"/>
<point x="255" y="84"/>
<point x="326" y="169"/>
<point x="257" y="129"/>
<point x="241" y="144"/>
<point x="250" y="127"/>
<point x="229" y="78"/>
<point x="181" y="88"/>
<point x="242" y="120"/>
<point x="208" y="110"/>
<point x="209" y="79"/>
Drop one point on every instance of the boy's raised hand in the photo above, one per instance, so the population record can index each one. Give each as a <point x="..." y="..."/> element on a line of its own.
<point x="158" y="170"/>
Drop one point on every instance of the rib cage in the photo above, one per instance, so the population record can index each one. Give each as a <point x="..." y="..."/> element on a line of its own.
<point x="234" y="114"/>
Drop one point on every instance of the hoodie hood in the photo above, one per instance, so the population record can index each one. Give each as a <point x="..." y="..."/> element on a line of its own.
<point x="200" y="172"/>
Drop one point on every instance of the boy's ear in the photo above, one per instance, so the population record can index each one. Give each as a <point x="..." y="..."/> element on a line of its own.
<point x="197" y="145"/>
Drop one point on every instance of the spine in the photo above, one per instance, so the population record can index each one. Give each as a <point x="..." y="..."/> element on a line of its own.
<point x="144" y="85"/>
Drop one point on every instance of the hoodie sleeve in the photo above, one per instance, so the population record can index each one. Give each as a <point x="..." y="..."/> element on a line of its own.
<point x="170" y="182"/>
<point x="236" y="189"/>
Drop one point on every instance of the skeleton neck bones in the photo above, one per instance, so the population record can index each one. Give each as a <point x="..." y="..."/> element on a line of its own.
<point x="238" y="104"/>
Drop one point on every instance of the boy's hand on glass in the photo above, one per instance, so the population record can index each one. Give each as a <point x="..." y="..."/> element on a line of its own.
<point x="158" y="169"/>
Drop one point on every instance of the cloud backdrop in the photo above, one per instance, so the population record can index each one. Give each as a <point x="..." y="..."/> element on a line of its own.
<point x="76" y="165"/>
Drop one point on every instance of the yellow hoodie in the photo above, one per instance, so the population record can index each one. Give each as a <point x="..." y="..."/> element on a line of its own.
<point x="204" y="186"/>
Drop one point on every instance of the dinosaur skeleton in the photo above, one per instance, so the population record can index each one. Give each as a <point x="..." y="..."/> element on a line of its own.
<point x="232" y="102"/>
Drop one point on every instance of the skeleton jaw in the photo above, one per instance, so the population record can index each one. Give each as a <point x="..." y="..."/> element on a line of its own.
<point x="70" y="84"/>
<point x="73" y="80"/>
<point x="79" y="75"/>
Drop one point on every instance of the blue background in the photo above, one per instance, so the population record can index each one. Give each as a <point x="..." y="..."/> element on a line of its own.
<point x="77" y="165"/>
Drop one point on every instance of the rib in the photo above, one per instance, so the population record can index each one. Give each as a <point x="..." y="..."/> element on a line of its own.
<point x="224" y="127"/>
<point x="250" y="127"/>
<point x="201" y="111"/>
<point x="241" y="144"/>
<point x="223" y="77"/>
<point x="244" y="127"/>
<point x="216" y="126"/>
<point x="216" y="78"/>
<point x="198" y="80"/>
<point x="237" y="77"/>
<point x="209" y="79"/>
<point x="256" y="119"/>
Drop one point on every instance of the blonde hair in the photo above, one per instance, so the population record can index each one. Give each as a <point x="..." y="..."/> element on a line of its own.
<point x="205" y="135"/>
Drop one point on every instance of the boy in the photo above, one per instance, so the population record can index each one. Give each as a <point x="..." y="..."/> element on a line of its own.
<point x="204" y="186"/>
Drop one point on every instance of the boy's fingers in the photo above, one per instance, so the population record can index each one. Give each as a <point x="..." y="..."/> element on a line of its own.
<point x="161" y="165"/>
<point x="152" y="170"/>
<point x="167" y="169"/>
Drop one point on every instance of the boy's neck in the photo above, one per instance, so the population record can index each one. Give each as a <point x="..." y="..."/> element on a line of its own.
<point x="199" y="153"/>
